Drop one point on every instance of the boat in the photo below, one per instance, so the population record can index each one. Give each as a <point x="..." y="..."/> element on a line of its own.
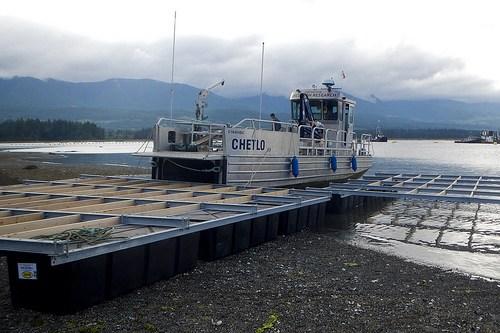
<point x="486" y="136"/>
<point x="318" y="145"/>
<point x="379" y="136"/>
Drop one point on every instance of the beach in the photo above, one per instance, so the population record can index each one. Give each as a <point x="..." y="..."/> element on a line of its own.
<point x="14" y="167"/>
<point x="306" y="282"/>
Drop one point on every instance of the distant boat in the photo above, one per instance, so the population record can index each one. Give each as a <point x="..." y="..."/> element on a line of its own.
<point x="485" y="137"/>
<point x="379" y="136"/>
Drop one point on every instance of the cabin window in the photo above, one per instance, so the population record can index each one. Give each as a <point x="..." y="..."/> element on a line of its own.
<point x="316" y="109"/>
<point x="351" y="116"/>
<point x="330" y="110"/>
<point x="296" y="109"/>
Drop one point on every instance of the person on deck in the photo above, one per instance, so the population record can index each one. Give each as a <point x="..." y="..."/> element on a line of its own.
<point x="276" y="123"/>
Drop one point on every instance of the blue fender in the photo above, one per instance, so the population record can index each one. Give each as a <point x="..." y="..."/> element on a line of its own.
<point x="295" y="166"/>
<point x="333" y="163"/>
<point x="354" y="163"/>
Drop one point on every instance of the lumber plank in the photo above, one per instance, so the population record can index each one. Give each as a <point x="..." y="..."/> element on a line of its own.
<point x="20" y="218"/>
<point x="4" y="213"/>
<point x="172" y="196"/>
<point x="136" y="208"/>
<point x="29" y="204"/>
<point x="10" y="196"/>
<point x="42" y="203"/>
<point x="223" y="189"/>
<point x="277" y="192"/>
<point x="46" y="189"/>
<point x="101" y="207"/>
<point x="38" y="224"/>
<point x="25" y="199"/>
<point x="172" y="210"/>
<point x="203" y="198"/>
<point x="250" y="191"/>
<point x="98" y="223"/>
<point x="70" y="204"/>
<point x="119" y="193"/>
<point x="241" y="199"/>
<point x="142" y="194"/>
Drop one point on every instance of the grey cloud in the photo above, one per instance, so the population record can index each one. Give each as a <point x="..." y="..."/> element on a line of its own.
<point x="400" y="72"/>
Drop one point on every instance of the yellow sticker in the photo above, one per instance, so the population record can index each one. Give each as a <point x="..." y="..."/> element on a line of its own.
<point x="27" y="271"/>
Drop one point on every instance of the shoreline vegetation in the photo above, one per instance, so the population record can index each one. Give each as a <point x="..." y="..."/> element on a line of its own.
<point x="26" y="130"/>
<point x="306" y="282"/>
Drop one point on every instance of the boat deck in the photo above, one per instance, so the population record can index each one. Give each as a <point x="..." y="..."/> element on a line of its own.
<point x="207" y="156"/>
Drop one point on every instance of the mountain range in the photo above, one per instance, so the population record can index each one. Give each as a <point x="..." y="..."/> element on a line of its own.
<point x="137" y="103"/>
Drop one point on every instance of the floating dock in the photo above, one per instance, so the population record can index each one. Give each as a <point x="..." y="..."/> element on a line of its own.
<point x="452" y="188"/>
<point x="77" y="242"/>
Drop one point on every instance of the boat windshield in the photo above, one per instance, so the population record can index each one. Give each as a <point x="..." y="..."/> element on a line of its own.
<point x="321" y="109"/>
<point x="330" y="110"/>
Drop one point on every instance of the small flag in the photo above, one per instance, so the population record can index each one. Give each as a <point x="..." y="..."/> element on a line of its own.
<point x="343" y="75"/>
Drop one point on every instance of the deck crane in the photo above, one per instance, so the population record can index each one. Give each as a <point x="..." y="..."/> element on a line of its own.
<point x="201" y="101"/>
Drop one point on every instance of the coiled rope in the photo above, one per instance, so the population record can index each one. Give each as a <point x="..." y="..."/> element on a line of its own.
<point x="82" y="235"/>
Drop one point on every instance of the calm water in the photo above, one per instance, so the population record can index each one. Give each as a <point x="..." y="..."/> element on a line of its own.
<point x="462" y="237"/>
<point x="89" y="152"/>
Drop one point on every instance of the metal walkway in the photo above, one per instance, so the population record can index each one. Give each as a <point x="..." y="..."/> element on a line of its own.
<point x="137" y="210"/>
<point x="473" y="189"/>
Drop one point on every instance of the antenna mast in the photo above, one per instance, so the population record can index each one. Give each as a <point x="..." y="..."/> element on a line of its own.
<point x="261" y="78"/>
<point x="172" y="77"/>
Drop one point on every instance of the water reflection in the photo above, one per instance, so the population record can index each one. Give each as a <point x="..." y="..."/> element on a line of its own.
<point x="460" y="236"/>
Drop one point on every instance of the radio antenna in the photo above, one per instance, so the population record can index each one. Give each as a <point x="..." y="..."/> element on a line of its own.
<point x="261" y="78"/>
<point x="172" y="72"/>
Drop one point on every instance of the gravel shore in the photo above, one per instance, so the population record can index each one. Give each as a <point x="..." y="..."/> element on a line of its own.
<point x="14" y="167"/>
<point x="307" y="282"/>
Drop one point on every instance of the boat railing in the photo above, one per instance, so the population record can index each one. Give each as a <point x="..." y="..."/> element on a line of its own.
<point x="316" y="140"/>
<point x="198" y="135"/>
<point x="269" y="125"/>
<point x="363" y="146"/>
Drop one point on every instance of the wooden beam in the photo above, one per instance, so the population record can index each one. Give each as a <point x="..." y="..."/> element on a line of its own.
<point x="119" y="193"/>
<point x="4" y="213"/>
<point x="101" y="207"/>
<point x="137" y="208"/>
<point x="172" y="210"/>
<point x="93" y="181"/>
<point x="42" y="203"/>
<point x="84" y="190"/>
<point x="45" y="189"/>
<point x="142" y="194"/>
<point x="69" y="205"/>
<point x="24" y="199"/>
<point x="38" y="224"/>
<point x="250" y="191"/>
<point x="69" y="189"/>
<point x="21" y="218"/>
<point x="241" y="199"/>
<point x="199" y="187"/>
<point x="99" y="223"/>
<point x="203" y="198"/>
<point x="10" y="196"/>
<point x="166" y="186"/>
<point x="30" y="204"/>
<point x="108" y="181"/>
<point x="172" y="196"/>
<point x="223" y="189"/>
<point x="277" y="192"/>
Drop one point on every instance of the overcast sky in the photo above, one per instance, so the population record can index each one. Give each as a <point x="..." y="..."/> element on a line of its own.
<point x="392" y="49"/>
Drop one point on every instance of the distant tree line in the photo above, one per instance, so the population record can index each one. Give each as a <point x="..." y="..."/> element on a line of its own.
<point x="51" y="130"/>
<point x="430" y="133"/>
<point x="426" y="133"/>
